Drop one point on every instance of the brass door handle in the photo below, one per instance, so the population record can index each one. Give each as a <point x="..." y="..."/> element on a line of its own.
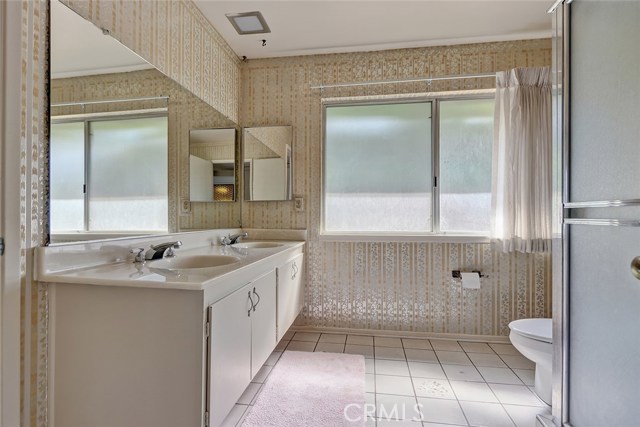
<point x="635" y="267"/>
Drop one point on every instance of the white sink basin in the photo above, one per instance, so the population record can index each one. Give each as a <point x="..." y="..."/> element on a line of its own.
<point x="193" y="262"/>
<point x="256" y="245"/>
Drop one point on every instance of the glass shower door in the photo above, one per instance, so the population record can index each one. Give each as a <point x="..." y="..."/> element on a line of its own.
<point x="603" y="221"/>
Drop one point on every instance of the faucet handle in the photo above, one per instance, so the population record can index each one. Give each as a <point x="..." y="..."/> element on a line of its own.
<point x="139" y="254"/>
<point x="170" y="250"/>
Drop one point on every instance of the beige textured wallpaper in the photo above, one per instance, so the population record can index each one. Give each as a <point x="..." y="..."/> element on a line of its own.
<point x="33" y="204"/>
<point x="185" y="112"/>
<point x="274" y="139"/>
<point x="389" y="286"/>
<point x="221" y="152"/>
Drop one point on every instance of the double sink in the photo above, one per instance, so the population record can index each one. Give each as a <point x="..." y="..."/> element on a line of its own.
<point x="196" y="262"/>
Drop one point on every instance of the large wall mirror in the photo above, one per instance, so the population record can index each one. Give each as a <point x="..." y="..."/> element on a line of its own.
<point x="212" y="165"/>
<point x="267" y="168"/>
<point x="119" y="145"/>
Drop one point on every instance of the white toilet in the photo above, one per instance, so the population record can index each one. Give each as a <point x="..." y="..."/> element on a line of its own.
<point x="532" y="338"/>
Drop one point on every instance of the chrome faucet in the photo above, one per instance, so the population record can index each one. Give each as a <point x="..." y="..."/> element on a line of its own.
<point x="139" y="258"/>
<point x="231" y="239"/>
<point x="162" y="250"/>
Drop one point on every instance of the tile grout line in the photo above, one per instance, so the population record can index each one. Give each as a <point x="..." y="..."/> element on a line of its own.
<point x="406" y="362"/>
<point x="413" y="386"/>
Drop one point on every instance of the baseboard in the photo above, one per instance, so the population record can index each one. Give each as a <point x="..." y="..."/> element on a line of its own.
<point x="404" y="334"/>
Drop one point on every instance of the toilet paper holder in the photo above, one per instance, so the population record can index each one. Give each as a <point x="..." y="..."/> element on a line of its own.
<point x="456" y="274"/>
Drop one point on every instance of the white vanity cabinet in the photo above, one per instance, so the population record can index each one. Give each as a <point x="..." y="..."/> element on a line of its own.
<point x="132" y="346"/>
<point x="126" y="357"/>
<point x="243" y="335"/>
<point x="290" y="293"/>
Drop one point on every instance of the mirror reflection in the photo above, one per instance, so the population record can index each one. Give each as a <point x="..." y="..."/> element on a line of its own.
<point x="267" y="163"/>
<point x="109" y="154"/>
<point x="212" y="165"/>
<point x="119" y="146"/>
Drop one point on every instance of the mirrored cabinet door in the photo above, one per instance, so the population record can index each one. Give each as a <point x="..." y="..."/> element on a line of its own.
<point x="267" y="168"/>
<point x="212" y="165"/>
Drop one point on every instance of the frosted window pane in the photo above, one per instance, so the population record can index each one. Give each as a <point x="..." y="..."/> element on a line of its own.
<point x="466" y="139"/>
<point x="67" y="177"/>
<point x="128" y="175"/>
<point x="378" y="168"/>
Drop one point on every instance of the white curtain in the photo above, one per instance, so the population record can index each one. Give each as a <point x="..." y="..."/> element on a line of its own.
<point x="521" y="184"/>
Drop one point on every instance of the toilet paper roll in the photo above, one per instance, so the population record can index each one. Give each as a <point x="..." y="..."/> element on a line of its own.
<point x="470" y="280"/>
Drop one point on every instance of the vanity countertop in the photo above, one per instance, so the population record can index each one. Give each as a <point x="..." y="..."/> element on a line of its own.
<point x="251" y="263"/>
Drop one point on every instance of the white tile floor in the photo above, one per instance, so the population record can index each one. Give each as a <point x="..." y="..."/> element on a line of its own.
<point x="420" y="382"/>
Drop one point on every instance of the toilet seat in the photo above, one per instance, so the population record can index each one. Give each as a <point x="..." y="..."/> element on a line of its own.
<point x="536" y="329"/>
<point x="533" y="338"/>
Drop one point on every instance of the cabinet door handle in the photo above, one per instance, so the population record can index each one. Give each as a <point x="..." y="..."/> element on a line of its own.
<point x="252" y="306"/>
<point x="257" y="302"/>
<point x="294" y="269"/>
<point x="635" y="267"/>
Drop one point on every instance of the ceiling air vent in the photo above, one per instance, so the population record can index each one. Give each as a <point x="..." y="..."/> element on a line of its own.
<point x="248" y="23"/>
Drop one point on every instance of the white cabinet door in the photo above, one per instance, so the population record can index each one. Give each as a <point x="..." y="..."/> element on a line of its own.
<point x="290" y="293"/>
<point x="229" y="352"/>
<point x="243" y="335"/>
<point x="263" y="320"/>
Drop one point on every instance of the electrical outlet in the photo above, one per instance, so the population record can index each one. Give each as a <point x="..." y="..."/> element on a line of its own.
<point x="186" y="207"/>
<point x="299" y="204"/>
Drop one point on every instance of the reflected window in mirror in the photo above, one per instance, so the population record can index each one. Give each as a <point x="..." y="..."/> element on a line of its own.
<point x="109" y="174"/>
<point x="267" y="168"/>
<point x="212" y="165"/>
<point x="92" y="76"/>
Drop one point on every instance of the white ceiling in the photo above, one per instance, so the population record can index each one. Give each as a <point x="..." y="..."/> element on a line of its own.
<point x="306" y="27"/>
<point x="79" y="48"/>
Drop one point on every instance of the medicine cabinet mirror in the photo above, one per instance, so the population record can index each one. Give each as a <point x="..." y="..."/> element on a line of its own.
<point x="212" y="171"/>
<point x="267" y="168"/>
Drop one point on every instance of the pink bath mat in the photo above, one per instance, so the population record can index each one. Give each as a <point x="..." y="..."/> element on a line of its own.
<point x="312" y="390"/>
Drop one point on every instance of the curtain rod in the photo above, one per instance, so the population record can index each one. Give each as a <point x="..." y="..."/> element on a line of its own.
<point x="108" y="101"/>
<point x="415" y="80"/>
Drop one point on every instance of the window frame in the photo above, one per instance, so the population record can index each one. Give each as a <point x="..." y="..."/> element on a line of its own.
<point x="436" y="235"/>
<point x="86" y="119"/>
